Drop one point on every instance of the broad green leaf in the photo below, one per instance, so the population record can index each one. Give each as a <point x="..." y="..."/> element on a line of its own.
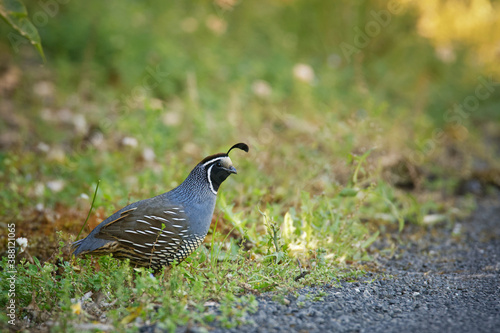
<point x="15" y="14"/>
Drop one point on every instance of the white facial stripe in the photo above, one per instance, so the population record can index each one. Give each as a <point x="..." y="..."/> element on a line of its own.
<point x="209" y="175"/>
<point x="215" y="159"/>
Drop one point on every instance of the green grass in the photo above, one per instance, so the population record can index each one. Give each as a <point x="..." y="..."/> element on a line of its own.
<point x="131" y="297"/>
<point x="322" y="231"/>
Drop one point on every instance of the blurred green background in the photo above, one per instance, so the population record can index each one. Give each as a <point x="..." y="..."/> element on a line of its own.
<point x="136" y="93"/>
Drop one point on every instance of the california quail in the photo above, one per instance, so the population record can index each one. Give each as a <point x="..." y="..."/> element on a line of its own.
<point x="158" y="231"/>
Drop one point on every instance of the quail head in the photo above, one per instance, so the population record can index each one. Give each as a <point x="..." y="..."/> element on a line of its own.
<point x="156" y="232"/>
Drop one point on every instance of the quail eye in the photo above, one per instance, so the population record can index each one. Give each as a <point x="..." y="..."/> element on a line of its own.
<point x="219" y="164"/>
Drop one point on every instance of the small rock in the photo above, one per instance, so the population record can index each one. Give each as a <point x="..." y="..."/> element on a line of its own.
<point x="261" y="89"/>
<point x="303" y="72"/>
<point x="44" y="89"/>
<point x="148" y="154"/>
<point x="130" y="141"/>
<point x="55" y="185"/>
<point x="43" y="147"/>
<point x="172" y="118"/>
<point x="80" y="124"/>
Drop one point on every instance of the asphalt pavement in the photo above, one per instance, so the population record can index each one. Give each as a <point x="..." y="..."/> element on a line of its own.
<point x="445" y="280"/>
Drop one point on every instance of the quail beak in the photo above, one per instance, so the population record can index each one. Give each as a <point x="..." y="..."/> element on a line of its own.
<point x="232" y="170"/>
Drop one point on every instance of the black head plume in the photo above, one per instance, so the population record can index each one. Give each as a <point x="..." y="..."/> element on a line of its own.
<point x="241" y="145"/>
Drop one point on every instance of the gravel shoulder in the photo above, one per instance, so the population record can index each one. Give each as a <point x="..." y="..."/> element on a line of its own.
<point x="446" y="280"/>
